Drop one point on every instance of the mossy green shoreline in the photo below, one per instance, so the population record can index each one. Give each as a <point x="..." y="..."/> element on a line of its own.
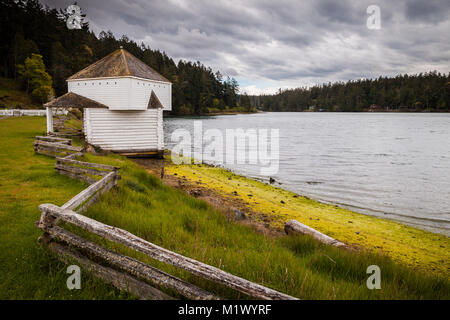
<point x="416" y="248"/>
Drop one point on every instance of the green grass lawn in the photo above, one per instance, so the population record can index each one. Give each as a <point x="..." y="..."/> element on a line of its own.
<point x="141" y="204"/>
<point x="27" y="180"/>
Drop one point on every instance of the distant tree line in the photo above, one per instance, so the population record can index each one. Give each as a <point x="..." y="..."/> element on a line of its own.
<point x="30" y="28"/>
<point x="420" y="92"/>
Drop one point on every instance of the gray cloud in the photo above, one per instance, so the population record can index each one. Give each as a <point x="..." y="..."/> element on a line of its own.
<point x="341" y="12"/>
<point x="433" y="11"/>
<point x="284" y="43"/>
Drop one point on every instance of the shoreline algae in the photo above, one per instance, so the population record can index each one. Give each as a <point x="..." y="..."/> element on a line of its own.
<point x="414" y="247"/>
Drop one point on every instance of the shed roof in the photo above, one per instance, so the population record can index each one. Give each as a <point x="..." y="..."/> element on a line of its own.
<point x="119" y="63"/>
<point x="73" y="100"/>
<point x="153" y="102"/>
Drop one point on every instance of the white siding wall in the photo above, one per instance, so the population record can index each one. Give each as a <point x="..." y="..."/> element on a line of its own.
<point x="125" y="93"/>
<point x="160" y="130"/>
<point x="123" y="130"/>
<point x="113" y="92"/>
<point x="141" y="90"/>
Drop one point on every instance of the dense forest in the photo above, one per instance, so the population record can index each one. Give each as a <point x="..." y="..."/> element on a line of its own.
<point x="29" y="28"/>
<point x="421" y="92"/>
<point x="37" y="43"/>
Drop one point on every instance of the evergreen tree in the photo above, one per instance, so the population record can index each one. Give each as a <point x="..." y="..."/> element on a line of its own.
<point x="28" y="27"/>
<point x="421" y="92"/>
<point x="36" y="79"/>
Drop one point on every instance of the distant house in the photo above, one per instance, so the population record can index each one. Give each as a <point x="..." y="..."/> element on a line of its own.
<point x="123" y="101"/>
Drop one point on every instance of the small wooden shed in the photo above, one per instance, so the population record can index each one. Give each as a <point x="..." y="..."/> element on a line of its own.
<point x="122" y="100"/>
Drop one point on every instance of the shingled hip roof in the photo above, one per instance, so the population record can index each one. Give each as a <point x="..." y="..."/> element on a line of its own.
<point x="73" y="100"/>
<point x="119" y="63"/>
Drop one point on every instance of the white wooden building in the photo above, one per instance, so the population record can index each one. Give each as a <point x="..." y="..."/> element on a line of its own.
<point x="123" y="101"/>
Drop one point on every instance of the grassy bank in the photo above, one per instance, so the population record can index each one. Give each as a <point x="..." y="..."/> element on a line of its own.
<point x="26" y="180"/>
<point x="168" y="217"/>
<point x="416" y="248"/>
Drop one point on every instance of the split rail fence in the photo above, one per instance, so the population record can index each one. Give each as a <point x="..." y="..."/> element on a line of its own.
<point x="134" y="276"/>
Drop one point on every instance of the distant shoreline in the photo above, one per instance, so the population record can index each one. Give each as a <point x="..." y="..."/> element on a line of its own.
<point x="225" y="113"/>
<point x="228" y="113"/>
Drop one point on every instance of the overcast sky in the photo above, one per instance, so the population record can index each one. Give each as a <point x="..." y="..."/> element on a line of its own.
<point x="271" y="44"/>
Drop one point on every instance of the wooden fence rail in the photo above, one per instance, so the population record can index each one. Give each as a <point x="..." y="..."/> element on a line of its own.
<point x="121" y="271"/>
<point x="119" y="280"/>
<point x="91" y="193"/>
<point x="51" y="213"/>
<point x="129" y="265"/>
<point x="83" y="171"/>
<point x="54" y="149"/>
<point x="22" y="112"/>
<point x="54" y="139"/>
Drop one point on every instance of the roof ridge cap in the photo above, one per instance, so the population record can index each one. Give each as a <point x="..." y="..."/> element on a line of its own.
<point x="148" y="66"/>
<point x="122" y="51"/>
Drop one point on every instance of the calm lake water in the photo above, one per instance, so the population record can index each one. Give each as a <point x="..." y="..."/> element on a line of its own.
<point x="392" y="165"/>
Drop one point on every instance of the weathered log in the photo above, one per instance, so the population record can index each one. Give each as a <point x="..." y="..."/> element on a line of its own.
<point x="57" y="145"/>
<point x="119" y="280"/>
<point x="295" y="227"/>
<point x="51" y="152"/>
<point x="95" y="197"/>
<point x="132" y="266"/>
<point x="47" y="220"/>
<point x="62" y="134"/>
<point x="80" y="177"/>
<point x="195" y="267"/>
<point x="54" y="139"/>
<point x="87" y="164"/>
<point x="72" y="156"/>
<point x="88" y="192"/>
<point x="56" y="150"/>
<point x="79" y="170"/>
